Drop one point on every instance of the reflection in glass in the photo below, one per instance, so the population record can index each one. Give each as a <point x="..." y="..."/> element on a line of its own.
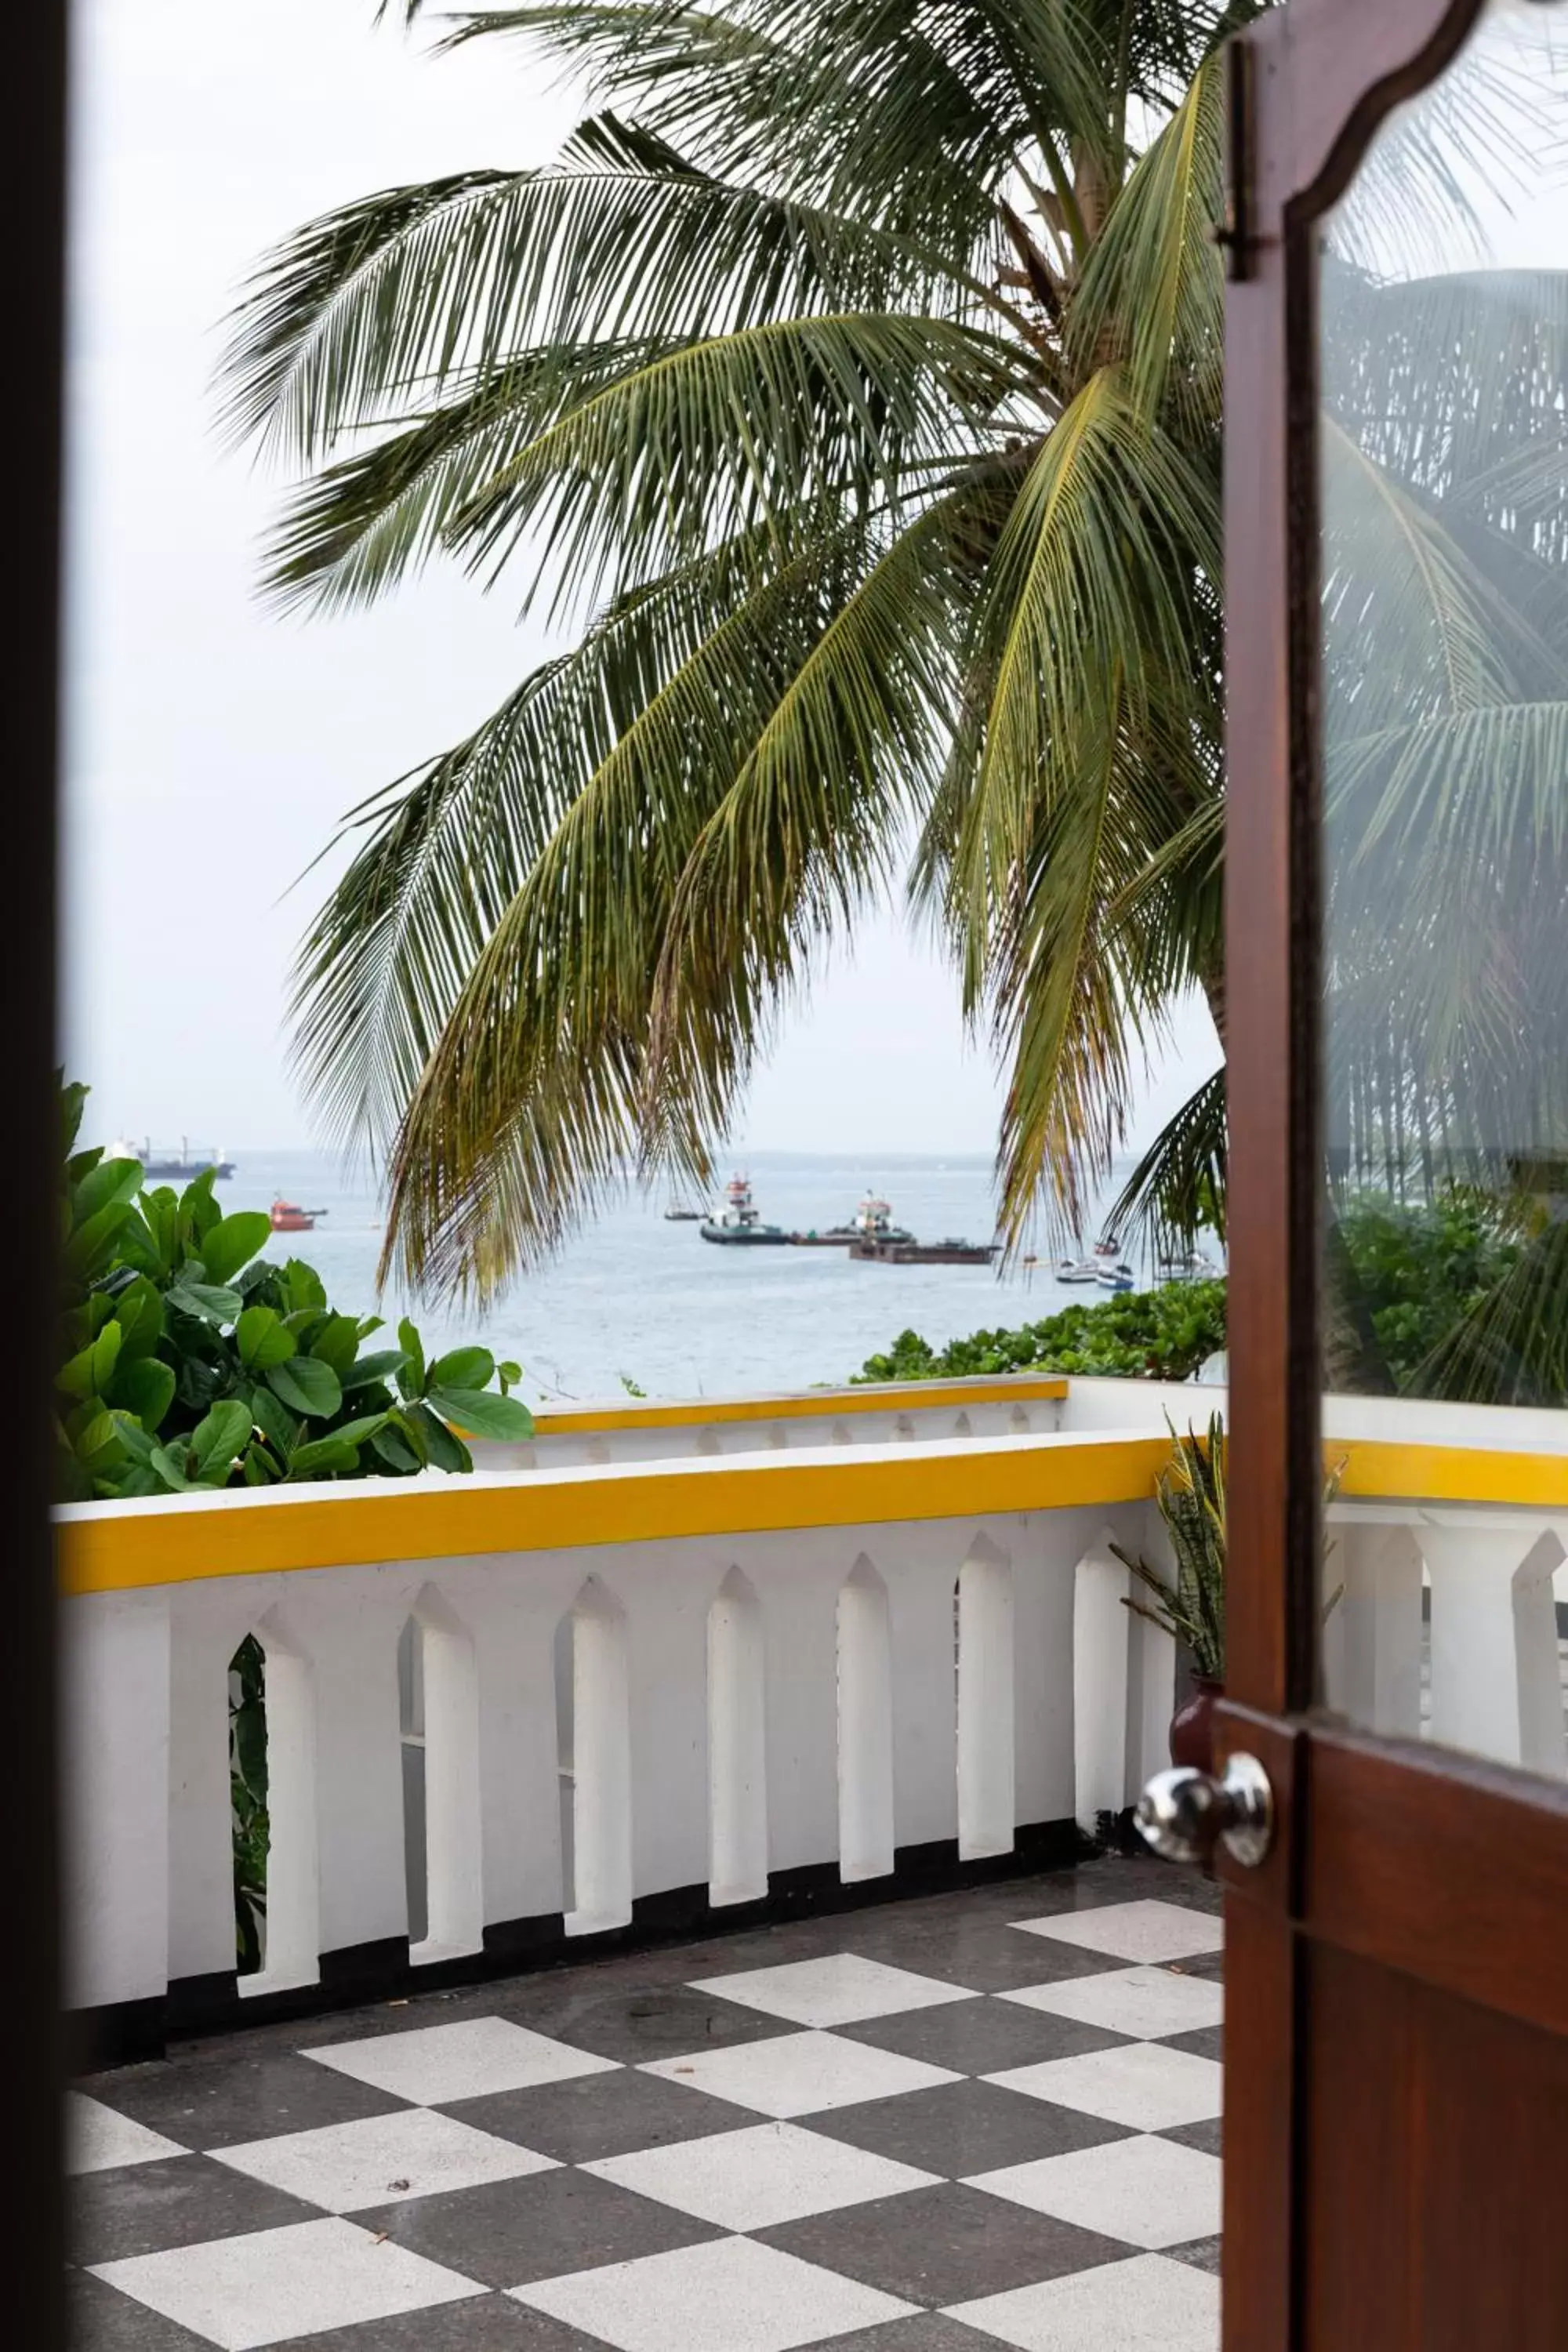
<point x="1444" y="435"/>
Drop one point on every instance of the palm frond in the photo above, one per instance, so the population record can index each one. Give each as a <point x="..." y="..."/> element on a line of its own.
<point x="1178" y="1189"/>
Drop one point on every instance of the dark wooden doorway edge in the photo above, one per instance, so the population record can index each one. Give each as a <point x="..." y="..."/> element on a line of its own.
<point x="1311" y="83"/>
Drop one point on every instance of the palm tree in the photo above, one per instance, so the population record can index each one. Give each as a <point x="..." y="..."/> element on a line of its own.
<point x="850" y="389"/>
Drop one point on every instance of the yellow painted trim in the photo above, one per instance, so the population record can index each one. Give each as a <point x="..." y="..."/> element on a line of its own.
<point x="823" y="1404"/>
<point x="110" y="1549"/>
<point x="1380" y="1470"/>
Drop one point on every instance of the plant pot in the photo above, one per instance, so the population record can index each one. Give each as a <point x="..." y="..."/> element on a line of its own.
<point x="1192" y="1726"/>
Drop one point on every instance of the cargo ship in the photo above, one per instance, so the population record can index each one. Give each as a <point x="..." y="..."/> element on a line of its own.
<point x="186" y="1164"/>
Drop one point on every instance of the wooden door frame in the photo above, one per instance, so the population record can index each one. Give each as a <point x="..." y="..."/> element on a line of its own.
<point x="32" y="166"/>
<point x="1310" y="85"/>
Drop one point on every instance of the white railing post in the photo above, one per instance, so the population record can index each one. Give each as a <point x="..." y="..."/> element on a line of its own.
<point x="205" y="1628"/>
<point x="454" y="1861"/>
<point x="737" y="1745"/>
<point x="865" y="1726"/>
<point x="986" y="1670"/>
<point x="1371" y="1637"/>
<point x="601" y="1764"/>
<point x="1495" y="1682"/>
<point x="1101" y="1638"/>
<point x="294" y="1875"/>
<point x="115" y="1747"/>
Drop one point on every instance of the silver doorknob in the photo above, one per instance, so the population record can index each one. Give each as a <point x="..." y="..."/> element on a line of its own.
<point x="1183" y="1815"/>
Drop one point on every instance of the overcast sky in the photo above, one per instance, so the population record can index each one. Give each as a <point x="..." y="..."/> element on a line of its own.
<point x="212" y="747"/>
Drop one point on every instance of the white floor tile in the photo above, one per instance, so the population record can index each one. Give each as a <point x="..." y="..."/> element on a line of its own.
<point x="754" y="2180"/>
<point x="841" y="1989"/>
<point x="1149" y="2192"/>
<point x="1147" y="2304"/>
<point x="731" y="2295"/>
<point x="1133" y="1931"/>
<point x="1145" y="2004"/>
<point x="382" y="2159"/>
<point x="800" y="2074"/>
<point x="435" y="2064"/>
<point x="1142" y="2083"/>
<point x="97" y="2138"/>
<point x="277" y="2284"/>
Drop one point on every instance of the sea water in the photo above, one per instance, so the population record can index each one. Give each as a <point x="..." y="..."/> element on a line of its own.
<point x="633" y="1300"/>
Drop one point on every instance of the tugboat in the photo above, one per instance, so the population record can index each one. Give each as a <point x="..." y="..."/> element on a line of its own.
<point x="288" y="1217"/>
<point x="738" y="1222"/>
<point x="877" y="1238"/>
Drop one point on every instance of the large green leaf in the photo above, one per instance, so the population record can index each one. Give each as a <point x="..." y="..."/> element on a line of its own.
<point x="232" y="1242"/>
<point x="145" y="1387"/>
<point x="263" y="1339"/>
<point x="337" y="1343"/>
<point x="480" y="1412"/>
<point x="211" y="1302"/>
<point x="307" y="1387"/>
<point x="367" y="1369"/>
<point x="461" y="1368"/>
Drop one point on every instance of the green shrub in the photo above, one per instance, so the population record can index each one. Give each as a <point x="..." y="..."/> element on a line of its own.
<point x="189" y="1361"/>
<point x="1163" y="1335"/>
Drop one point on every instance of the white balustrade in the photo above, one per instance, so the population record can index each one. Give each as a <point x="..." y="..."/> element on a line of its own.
<point x="679" y="1680"/>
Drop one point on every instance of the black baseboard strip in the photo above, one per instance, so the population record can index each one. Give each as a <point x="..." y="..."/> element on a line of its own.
<point x="382" y="1970"/>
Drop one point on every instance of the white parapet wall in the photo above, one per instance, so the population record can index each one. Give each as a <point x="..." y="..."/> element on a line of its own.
<point x="637" y="1681"/>
<point x="695" y="1681"/>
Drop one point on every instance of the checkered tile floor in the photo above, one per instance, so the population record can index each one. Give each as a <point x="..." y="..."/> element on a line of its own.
<point x="989" y="2117"/>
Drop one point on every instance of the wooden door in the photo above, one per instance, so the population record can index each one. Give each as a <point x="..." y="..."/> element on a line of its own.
<point x="1396" y="2134"/>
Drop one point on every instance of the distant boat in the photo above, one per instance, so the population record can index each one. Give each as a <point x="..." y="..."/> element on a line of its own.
<point x="678" y="1213"/>
<point x="872" y="1222"/>
<point x="288" y="1217"/>
<point x="1077" y="1269"/>
<point x="1191" y="1266"/>
<point x="877" y="1239"/>
<point x="736" y="1221"/>
<point x="167" y="1161"/>
<point x="1115" y="1275"/>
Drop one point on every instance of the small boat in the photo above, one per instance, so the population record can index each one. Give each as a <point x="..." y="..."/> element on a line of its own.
<point x="737" y="1221"/>
<point x="288" y="1217"/>
<point x="680" y="1214"/>
<point x="1193" y="1266"/>
<point x="1077" y="1269"/>
<point x="1114" y="1274"/>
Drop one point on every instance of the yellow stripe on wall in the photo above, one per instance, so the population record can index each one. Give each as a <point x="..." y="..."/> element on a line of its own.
<point x="820" y="1404"/>
<point x="115" y="1548"/>
<point x="109" y="1548"/>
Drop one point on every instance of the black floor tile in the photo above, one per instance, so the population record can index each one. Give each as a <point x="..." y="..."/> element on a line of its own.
<point x="510" y="2233"/>
<point x="980" y="2037"/>
<point x="958" y="2129"/>
<point x="943" y="2245"/>
<point x="181" y="2201"/>
<point x="1209" y="1964"/>
<point x="99" y="2319"/>
<point x="600" y="2115"/>
<point x="658" y="2022"/>
<point x="1203" y="2041"/>
<point x="1203" y="2137"/>
<point x="982" y="1955"/>
<point x="930" y="2331"/>
<point x="1201" y="2254"/>
<point x="491" y="2323"/>
<point x="212" y="2096"/>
